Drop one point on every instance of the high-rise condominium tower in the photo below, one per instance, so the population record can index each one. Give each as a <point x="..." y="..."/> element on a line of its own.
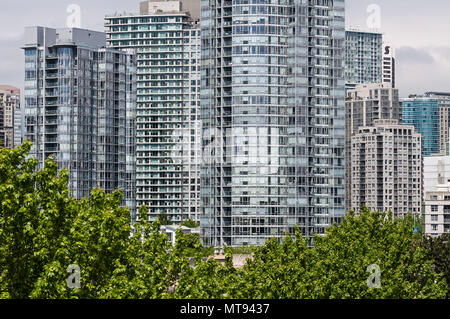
<point x="429" y="114"/>
<point x="363" y="58"/>
<point x="167" y="40"/>
<point x="386" y="168"/>
<point x="365" y="104"/>
<point x="79" y="108"/>
<point x="273" y="116"/>
<point x="10" y="117"/>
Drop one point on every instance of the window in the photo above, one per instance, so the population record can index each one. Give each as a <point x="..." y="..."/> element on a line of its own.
<point x="434" y="227"/>
<point x="434" y="208"/>
<point x="434" y="218"/>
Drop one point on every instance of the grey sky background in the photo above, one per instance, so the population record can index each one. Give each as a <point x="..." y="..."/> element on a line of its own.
<point x="418" y="30"/>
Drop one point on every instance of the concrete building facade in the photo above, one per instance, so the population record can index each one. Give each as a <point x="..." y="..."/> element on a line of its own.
<point x="386" y="168"/>
<point x="10" y="117"/>
<point x="167" y="40"/>
<point x="437" y="210"/>
<point x="365" y="104"/>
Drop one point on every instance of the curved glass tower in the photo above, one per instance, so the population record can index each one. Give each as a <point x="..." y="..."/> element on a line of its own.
<point x="272" y="109"/>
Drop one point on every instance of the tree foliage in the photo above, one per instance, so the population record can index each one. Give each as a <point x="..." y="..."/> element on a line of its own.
<point x="438" y="249"/>
<point x="190" y="223"/>
<point x="164" y="219"/>
<point x="43" y="230"/>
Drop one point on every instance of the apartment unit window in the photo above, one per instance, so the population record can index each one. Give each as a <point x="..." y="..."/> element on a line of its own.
<point x="434" y="227"/>
<point x="434" y="208"/>
<point x="434" y="218"/>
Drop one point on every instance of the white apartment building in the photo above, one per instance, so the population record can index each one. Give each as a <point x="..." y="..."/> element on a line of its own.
<point x="166" y="36"/>
<point x="436" y="171"/>
<point x="437" y="210"/>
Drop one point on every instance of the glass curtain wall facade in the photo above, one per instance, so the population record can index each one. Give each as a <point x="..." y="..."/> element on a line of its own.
<point x="444" y="120"/>
<point x="423" y="114"/>
<point x="168" y="126"/>
<point x="77" y="98"/>
<point x="272" y="110"/>
<point x="363" y="58"/>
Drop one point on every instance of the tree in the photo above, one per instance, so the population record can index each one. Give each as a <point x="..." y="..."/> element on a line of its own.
<point x="43" y="230"/>
<point x="190" y="223"/>
<point x="374" y="239"/>
<point x="336" y="267"/>
<point x="438" y="250"/>
<point x="153" y="268"/>
<point x="164" y="219"/>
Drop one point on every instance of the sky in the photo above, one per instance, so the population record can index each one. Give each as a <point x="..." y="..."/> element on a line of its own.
<point x="418" y="30"/>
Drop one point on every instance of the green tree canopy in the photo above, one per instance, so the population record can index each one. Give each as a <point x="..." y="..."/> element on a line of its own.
<point x="164" y="219"/>
<point x="438" y="249"/>
<point x="190" y="223"/>
<point x="43" y="230"/>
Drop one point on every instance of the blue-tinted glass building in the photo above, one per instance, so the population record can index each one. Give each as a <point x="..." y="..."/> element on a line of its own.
<point x="423" y="114"/>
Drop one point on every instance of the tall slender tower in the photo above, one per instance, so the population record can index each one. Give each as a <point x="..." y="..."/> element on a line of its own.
<point x="273" y="116"/>
<point x="167" y="40"/>
<point x="79" y="108"/>
<point x="389" y="65"/>
<point x="10" y="117"/>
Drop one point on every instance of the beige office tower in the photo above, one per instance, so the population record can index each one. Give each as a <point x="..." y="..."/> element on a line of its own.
<point x="10" y="116"/>
<point x="386" y="168"/>
<point x="365" y="104"/>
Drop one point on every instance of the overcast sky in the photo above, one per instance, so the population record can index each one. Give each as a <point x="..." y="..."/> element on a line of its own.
<point x="418" y="30"/>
